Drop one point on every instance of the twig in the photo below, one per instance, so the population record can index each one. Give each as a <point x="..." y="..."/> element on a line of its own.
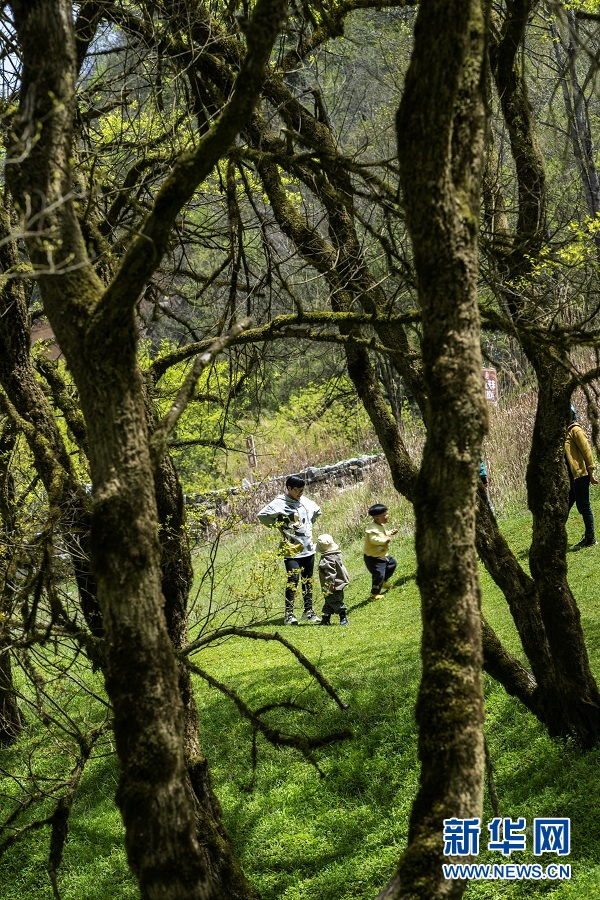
<point x="158" y="441"/>
<point x="274" y="636"/>
<point x="305" y="745"/>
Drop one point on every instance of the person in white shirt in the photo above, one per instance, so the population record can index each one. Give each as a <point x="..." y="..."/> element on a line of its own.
<point x="293" y="514"/>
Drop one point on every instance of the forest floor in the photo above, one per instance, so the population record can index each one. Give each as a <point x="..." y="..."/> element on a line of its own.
<point x="338" y="833"/>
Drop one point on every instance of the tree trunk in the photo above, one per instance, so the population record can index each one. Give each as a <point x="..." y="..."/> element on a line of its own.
<point x="570" y="697"/>
<point x="440" y="127"/>
<point x="575" y="702"/>
<point x="177" y="578"/>
<point x="96" y="330"/>
<point x="509" y="672"/>
<point x="141" y="673"/>
<point x="11" y="722"/>
<point x="521" y="594"/>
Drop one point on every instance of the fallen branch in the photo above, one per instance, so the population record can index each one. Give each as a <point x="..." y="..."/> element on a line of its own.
<point x="274" y="636"/>
<point x="305" y="745"/>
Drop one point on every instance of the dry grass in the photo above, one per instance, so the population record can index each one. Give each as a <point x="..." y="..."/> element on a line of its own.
<point x="506" y="450"/>
<point x="507" y="446"/>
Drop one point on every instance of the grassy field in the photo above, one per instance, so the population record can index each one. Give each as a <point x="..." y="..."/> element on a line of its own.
<point x="336" y="835"/>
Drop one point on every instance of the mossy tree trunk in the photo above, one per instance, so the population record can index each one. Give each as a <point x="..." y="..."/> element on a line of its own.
<point x="440" y="126"/>
<point x="177" y="577"/>
<point x="97" y="332"/>
<point x="11" y="722"/>
<point x="574" y="705"/>
<point x="568" y="692"/>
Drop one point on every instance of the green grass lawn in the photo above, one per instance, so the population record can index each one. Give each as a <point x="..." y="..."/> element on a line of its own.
<point x="306" y="836"/>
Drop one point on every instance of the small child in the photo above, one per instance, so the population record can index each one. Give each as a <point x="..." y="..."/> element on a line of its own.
<point x="334" y="577"/>
<point x="377" y="560"/>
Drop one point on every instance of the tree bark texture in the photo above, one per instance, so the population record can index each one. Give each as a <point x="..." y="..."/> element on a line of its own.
<point x="521" y="595"/>
<point x="96" y="330"/>
<point x="509" y="672"/>
<point x="516" y="108"/>
<point x="177" y="577"/>
<point x="574" y="704"/>
<point x="568" y="692"/>
<point x="11" y="722"/>
<point x="440" y="126"/>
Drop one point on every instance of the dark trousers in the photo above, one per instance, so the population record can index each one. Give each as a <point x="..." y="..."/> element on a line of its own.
<point x="301" y="569"/>
<point x="381" y="569"/>
<point x="334" y="603"/>
<point x="579" y="494"/>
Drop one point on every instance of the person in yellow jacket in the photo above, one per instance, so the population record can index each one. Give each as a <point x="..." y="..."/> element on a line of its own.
<point x="580" y="465"/>
<point x="376" y="550"/>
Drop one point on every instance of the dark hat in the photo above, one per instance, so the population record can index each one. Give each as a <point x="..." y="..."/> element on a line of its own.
<point x="377" y="509"/>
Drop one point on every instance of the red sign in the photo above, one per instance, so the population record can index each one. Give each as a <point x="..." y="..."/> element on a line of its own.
<point x="490" y="384"/>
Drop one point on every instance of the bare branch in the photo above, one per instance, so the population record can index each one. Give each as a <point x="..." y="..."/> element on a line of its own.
<point x="305" y="745"/>
<point x="192" y="168"/>
<point x="158" y="442"/>
<point x="275" y="636"/>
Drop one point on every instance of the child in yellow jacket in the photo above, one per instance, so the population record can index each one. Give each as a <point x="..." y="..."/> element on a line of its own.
<point x="376" y="550"/>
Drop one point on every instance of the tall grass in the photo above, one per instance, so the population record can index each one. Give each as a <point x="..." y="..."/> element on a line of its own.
<point x="507" y="446"/>
<point x="506" y="450"/>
